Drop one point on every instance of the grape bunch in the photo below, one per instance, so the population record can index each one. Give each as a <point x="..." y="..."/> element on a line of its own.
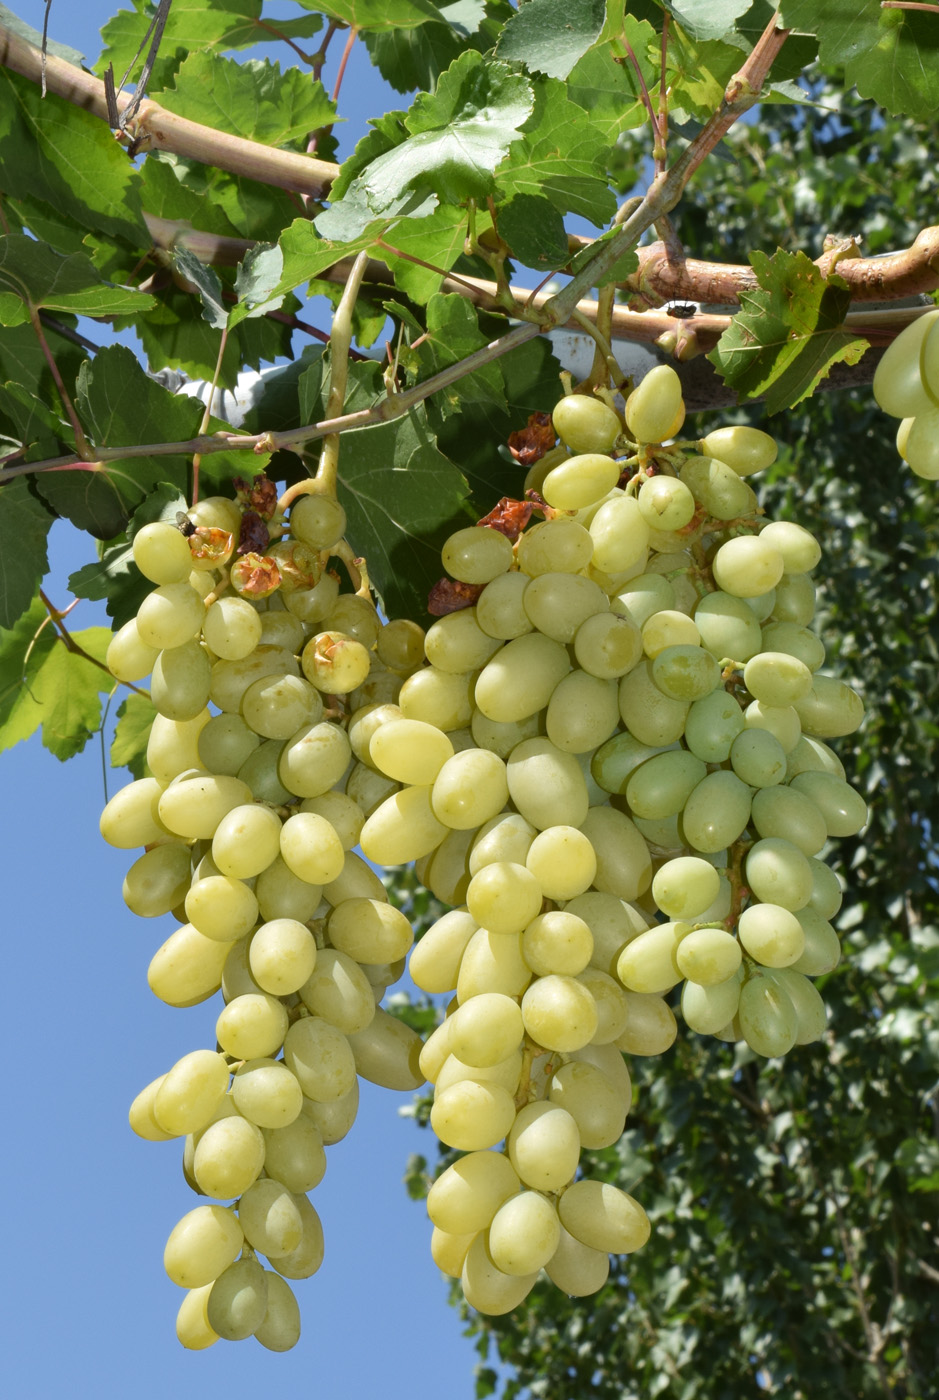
<point x="615" y="767"/>
<point x="906" y="385"/>
<point x="248" y="819"/>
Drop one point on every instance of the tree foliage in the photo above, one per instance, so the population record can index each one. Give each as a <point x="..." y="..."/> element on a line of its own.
<point x="793" y="1204"/>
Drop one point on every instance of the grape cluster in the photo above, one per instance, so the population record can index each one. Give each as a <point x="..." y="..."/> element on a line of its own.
<point x="248" y="819"/>
<point x="906" y="385"/>
<point x="615" y="765"/>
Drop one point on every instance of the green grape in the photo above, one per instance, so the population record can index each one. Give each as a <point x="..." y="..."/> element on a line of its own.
<point x="722" y="491"/>
<point x="221" y="907"/>
<point x="842" y="807"/>
<point x="477" y="555"/>
<point x="470" y="789"/>
<point x="717" y="812"/>
<point x="500" y="608"/>
<point x="668" y="628"/>
<point x="825" y="899"/>
<point x="453" y="1071"/>
<point x="616" y="760"/>
<point x="334" y="662"/>
<point x="811" y="1016"/>
<point x="520" y="679"/>
<point x="506" y="837"/>
<point x="387" y="1052"/>
<point x="218" y="513"/>
<point x="141" y="1116"/>
<point x="563" y="862"/>
<point x="576" y="1269"/>
<point x="762" y="605"/>
<point x="650" y="715"/>
<point x="401" y="645"/>
<point x="686" y="673"/>
<point x="813" y="756"/>
<point x="246" y="841"/>
<point x="338" y="991"/>
<point x="344" y="815"/>
<point x="492" y="962"/>
<point x="158" y="881"/>
<point x="187" y="968"/>
<point x="202" y="1245"/>
<point x="311" y="849"/>
<point x="776" y="678"/>
<point x="771" y="934"/>
<point x="779" y="720"/>
<point x="282" y="956"/>
<point x="357" y="881"/>
<point x="651" y="1027"/>
<point x="128" y="657"/>
<point x="580" y="481"/>
<point x="544" y="1146"/>
<point x="225" y="743"/>
<point x="303" y="1261"/>
<point x="619" y="534"/>
<point x="131" y="818"/>
<point x="922" y="444"/>
<point x="768" y="1018"/>
<point x="624" y="866"/>
<point x="644" y="596"/>
<point x="795" y="641"/>
<point x="314" y="759"/>
<point x="582" y="713"/>
<point x="779" y="873"/>
<point x="403" y="828"/>
<point x="585" y="424"/>
<point x="277" y="706"/>
<point x="270" y="1219"/>
<point x="557" y="941"/>
<point x="707" y="1010"/>
<point x="435" y="961"/>
<point x="487" y="1288"/>
<point x="169" y="616"/>
<point x="232" y="628"/>
<point x="504" y="897"/>
<point x="665" y="503"/>
<point x="173" y="746"/>
<point x="370" y="931"/>
<point x="661" y="786"/>
<point x="161" y="553"/>
<point x="557" y="604"/>
<point x="782" y="811"/>
<point x="713" y="725"/>
<point x="795" y="600"/>
<point x="266" y="1093"/>
<point x="898" y="386"/>
<point x="312" y="605"/>
<point x="592" y="1100"/>
<point x="708" y="956"/>
<point x="457" y="643"/>
<point x="261" y="772"/>
<point x="546" y="785"/>
<point x="333" y="1120"/>
<point x="319" y="521"/>
<point x="471" y="1115"/>
<point x="758" y="758"/>
<point x="607" y="645"/>
<point x="747" y="566"/>
<point x="727" y="627"/>
<point x="603" y="1217"/>
<point x="230" y="679"/>
<point x="228" y="1157"/>
<point x="524" y="1233"/>
<point x="654" y="409"/>
<point x="610" y="1002"/>
<point x="252" y="1026"/>
<point x="800" y="550"/>
<point x="684" y="887"/>
<point x="557" y="545"/>
<point x="192" y="1325"/>
<point x="559" y="1013"/>
<point x="746" y="450"/>
<point x="465" y="1197"/>
<point x="283" y="895"/>
<point x="280" y="1328"/>
<point x="648" y="963"/>
<point x="190" y="1092"/>
<point x="320" y="1057"/>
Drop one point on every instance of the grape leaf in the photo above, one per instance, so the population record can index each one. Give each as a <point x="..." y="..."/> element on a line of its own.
<point x="452" y="334"/>
<point x="535" y="232"/>
<point x="707" y="19"/>
<point x="34" y="423"/>
<point x="561" y="158"/>
<point x="609" y="90"/>
<point x="135" y="718"/>
<point x="258" y="275"/>
<point x="891" y="56"/>
<point x="550" y="36"/>
<point x="438" y="239"/>
<point x="410" y="59"/>
<point x="24" y="559"/>
<point x="252" y="99"/>
<point x="458" y="137"/>
<point x="44" y="682"/>
<point x="376" y="14"/>
<point x="115" y="576"/>
<point x="788" y="334"/>
<point x="198" y="24"/>
<point x="207" y="283"/>
<point x="42" y="277"/>
<point x="54" y="151"/>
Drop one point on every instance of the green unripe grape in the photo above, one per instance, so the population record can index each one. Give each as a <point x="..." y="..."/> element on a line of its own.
<point x="707" y="1010"/>
<point x="319" y="521"/>
<point x="180" y="682"/>
<point x="654" y="409"/>
<point x="898" y="386"/>
<point x="794" y="641"/>
<point x="661" y="786"/>
<point x="713" y="724"/>
<point x="261" y="772"/>
<point x="582" y="713"/>
<point x="746" y="450"/>
<point x="585" y="424"/>
<point x="686" y="673"/>
<point x="717" y="812"/>
<point x="782" y="811"/>
<point x="727" y="627"/>
<point x="158" y="881"/>
<point x="557" y="604"/>
<point x="643" y="596"/>
<point x="778" y="873"/>
<point x="767" y="1016"/>
<point x="666" y="503"/>
<point x="721" y="490"/>
<point x="843" y="808"/>
<point x="747" y="566"/>
<point x="758" y="758"/>
<point x="795" y="600"/>
<point x="280" y="1329"/>
<point x="580" y="481"/>
<point x="238" y="1300"/>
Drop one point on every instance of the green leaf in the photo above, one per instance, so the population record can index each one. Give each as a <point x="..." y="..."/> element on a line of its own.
<point x="121" y="406"/>
<point x="135" y="718"/>
<point x="410" y="59"/>
<point x="609" y="91"/>
<point x="37" y="426"/>
<point x="252" y="99"/>
<point x="438" y="239"/>
<point x="23" y="650"/>
<point x="259" y="273"/>
<point x="534" y="230"/>
<point x="196" y="24"/>
<point x="452" y="334"/>
<point x="788" y="335"/>
<point x="24" y="559"/>
<point x="550" y="36"/>
<point x="114" y="576"/>
<point x="54" y="151"/>
<point x="889" y="55"/>
<point x="707" y="19"/>
<point x="561" y="158"/>
<point x="41" y="277"/>
<point x="458" y="136"/>
<point x="376" y="14"/>
<point x="207" y="283"/>
<point x="401" y="494"/>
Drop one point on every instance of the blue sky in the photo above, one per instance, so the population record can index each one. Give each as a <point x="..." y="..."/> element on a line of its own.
<point x="89" y="1311"/>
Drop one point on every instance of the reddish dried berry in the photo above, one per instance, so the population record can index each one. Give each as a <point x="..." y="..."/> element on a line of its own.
<point x="255" y="536"/>
<point x="448" y="596"/>
<point x="529" y="444"/>
<point x="508" y="517"/>
<point x="259" y="496"/>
